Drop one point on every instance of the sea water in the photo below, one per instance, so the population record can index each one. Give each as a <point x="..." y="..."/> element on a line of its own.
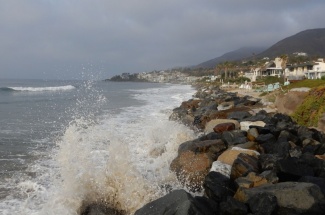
<point x="68" y="143"/>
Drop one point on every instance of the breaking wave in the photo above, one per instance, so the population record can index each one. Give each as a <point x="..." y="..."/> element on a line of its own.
<point x="38" y="89"/>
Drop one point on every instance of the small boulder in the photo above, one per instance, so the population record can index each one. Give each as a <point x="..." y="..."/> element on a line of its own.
<point x="245" y="125"/>
<point x="234" y="137"/>
<point x="218" y="187"/>
<point x="229" y="156"/>
<point x="211" y="124"/>
<point x="191" y="168"/>
<point x="243" y="165"/>
<point x="228" y="126"/>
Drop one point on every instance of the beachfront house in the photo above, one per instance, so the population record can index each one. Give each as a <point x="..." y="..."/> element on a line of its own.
<point x="309" y="70"/>
<point x="271" y="68"/>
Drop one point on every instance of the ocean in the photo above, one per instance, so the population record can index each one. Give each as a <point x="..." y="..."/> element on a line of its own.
<point x="68" y="143"/>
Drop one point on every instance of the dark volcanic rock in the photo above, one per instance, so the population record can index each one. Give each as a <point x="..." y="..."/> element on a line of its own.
<point x="263" y="203"/>
<point x="100" y="209"/>
<point x="177" y="202"/>
<point x="232" y="207"/>
<point x="292" y="169"/>
<point x="268" y="161"/>
<point x="292" y="197"/>
<point x="315" y="180"/>
<point x="218" y="186"/>
<point x="234" y="137"/>
<point x="239" y="115"/>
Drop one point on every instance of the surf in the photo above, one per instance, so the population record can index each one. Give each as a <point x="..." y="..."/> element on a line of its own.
<point x="37" y="89"/>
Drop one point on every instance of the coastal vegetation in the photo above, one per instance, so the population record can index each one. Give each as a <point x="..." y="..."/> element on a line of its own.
<point x="312" y="108"/>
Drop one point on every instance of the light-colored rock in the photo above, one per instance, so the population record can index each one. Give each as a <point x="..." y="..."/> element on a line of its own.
<point x="244" y="125"/>
<point x="221" y="167"/>
<point x="225" y="105"/>
<point x="229" y="156"/>
<point x="211" y="124"/>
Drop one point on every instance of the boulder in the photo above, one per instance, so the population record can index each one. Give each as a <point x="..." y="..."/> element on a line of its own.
<point x="211" y="124"/>
<point x="191" y="168"/>
<point x="218" y="187"/>
<point x="263" y="203"/>
<point x="234" y="137"/>
<point x="225" y="105"/>
<point x="292" y="197"/>
<point x="243" y="165"/>
<point x="229" y="156"/>
<point x="221" y="167"/>
<point x="245" y="125"/>
<point x="315" y="180"/>
<point x="251" y="180"/>
<point x="228" y="126"/>
<point x="232" y="207"/>
<point x="211" y="147"/>
<point x="252" y="134"/>
<point x="239" y="115"/>
<point x="177" y="202"/>
<point x="292" y="169"/>
<point x="100" y="209"/>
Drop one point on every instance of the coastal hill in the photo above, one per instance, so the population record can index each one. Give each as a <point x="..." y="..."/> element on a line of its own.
<point x="311" y="42"/>
<point x="235" y="55"/>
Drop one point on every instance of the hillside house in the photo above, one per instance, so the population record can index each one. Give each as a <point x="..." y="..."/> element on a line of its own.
<point x="310" y="70"/>
<point x="318" y="70"/>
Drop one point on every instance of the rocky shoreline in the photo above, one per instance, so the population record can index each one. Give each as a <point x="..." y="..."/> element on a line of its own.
<point x="249" y="160"/>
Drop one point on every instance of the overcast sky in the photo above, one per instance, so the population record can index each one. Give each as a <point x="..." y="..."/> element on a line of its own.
<point x="77" y="39"/>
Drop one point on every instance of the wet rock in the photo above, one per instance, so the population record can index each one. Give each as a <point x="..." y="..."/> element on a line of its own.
<point x="228" y="126"/>
<point x="243" y="165"/>
<point x="177" y="202"/>
<point x="213" y="148"/>
<point x="234" y="137"/>
<point x="263" y="203"/>
<point x="218" y="187"/>
<point x="100" y="209"/>
<point x="239" y="115"/>
<point x="232" y="207"/>
<point x="221" y="167"/>
<point x="292" y="197"/>
<point x="229" y="156"/>
<point x="191" y="168"/>
<point x="210" y="136"/>
<point x="211" y="124"/>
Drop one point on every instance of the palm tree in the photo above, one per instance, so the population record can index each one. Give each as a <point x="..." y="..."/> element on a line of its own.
<point x="284" y="60"/>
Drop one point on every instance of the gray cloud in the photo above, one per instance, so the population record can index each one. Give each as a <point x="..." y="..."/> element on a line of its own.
<point x="67" y="38"/>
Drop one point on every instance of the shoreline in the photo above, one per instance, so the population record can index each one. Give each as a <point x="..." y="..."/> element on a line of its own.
<point x="247" y="152"/>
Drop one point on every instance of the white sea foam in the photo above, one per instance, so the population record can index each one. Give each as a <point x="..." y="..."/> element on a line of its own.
<point x="122" y="160"/>
<point x="40" y="89"/>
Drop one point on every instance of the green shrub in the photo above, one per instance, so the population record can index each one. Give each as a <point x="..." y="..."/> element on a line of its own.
<point x="309" y="112"/>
